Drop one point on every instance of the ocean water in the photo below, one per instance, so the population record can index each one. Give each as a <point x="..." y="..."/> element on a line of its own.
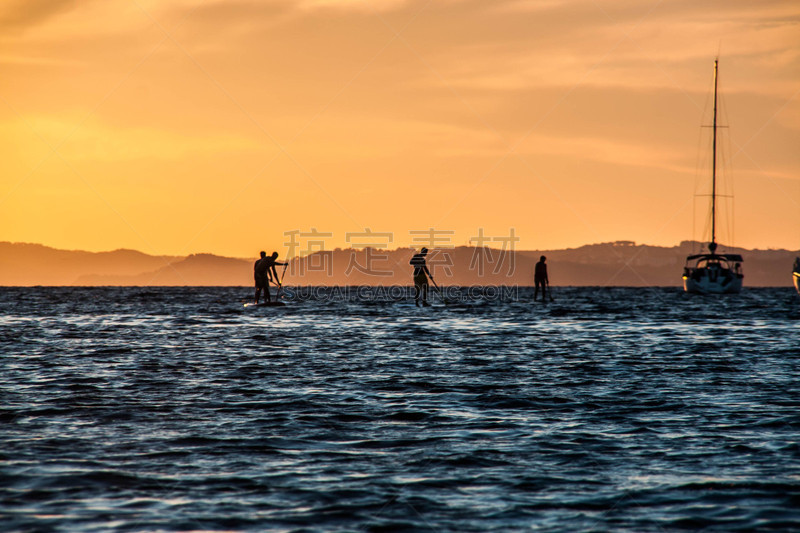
<point x="166" y="409"/>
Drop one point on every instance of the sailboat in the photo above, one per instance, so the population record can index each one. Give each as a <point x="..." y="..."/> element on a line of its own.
<point x="713" y="273"/>
<point x="796" y="274"/>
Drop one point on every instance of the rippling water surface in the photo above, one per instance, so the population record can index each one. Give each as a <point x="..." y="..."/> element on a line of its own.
<point x="608" y="409"/>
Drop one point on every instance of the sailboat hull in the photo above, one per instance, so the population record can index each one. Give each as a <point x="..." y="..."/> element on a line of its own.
<point x="796" y="277"/>
<point x="708" y="283"/>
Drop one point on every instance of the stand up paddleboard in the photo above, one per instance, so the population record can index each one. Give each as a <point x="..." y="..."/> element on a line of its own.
<point x="265" y="304"/>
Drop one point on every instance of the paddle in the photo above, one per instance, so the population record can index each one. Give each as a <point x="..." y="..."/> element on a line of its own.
<point x="280" y="283"/>
<point x="440" y="292"/>
<point x="280" y="287"/>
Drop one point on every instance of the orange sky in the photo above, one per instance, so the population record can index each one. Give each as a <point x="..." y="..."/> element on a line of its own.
<point x="184" y="126"/>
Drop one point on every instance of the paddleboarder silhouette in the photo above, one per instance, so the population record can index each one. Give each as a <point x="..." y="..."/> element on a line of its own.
<point x="421" y="275"/>
<point x="540" y="279"/>
<point x="264" y="272"/>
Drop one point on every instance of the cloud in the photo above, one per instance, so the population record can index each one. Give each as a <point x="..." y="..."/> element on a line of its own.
<point x="95" y="140"/>
<point x="606" y="150"/>
<point x="18" y="14"/>
<point x="9" y="59"/>
<point x="359" y="5"/>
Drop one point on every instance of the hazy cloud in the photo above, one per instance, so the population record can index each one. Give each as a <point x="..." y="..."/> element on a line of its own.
<point x="17" y="14"/>
<point x="95" y="140"/>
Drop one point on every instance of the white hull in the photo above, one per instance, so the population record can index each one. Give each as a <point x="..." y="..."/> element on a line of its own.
<point x="796" y="277"/>
<point x="712" y="285"/>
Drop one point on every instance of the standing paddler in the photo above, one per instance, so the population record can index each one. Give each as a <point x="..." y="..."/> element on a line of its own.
<point x="540" y="279"/>
<point x="421" y="275"/>
<point x="264" y="272"/>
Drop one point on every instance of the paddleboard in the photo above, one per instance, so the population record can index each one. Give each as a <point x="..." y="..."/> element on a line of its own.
<point x="265" y="304"/>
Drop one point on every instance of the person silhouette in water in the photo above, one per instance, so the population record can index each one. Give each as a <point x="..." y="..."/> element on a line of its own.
<point x="540" y="279"/>
<point x="421" y="275"/>
<point x="264" y="272"/>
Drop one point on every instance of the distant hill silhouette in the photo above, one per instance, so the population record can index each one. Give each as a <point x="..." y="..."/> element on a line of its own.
<point x="621" y="263"/>
<point x="34" y="264"/>
<point x="195" y="270"/>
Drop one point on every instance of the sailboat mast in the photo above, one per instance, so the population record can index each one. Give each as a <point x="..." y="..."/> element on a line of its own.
<point x="714" y="166"/>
